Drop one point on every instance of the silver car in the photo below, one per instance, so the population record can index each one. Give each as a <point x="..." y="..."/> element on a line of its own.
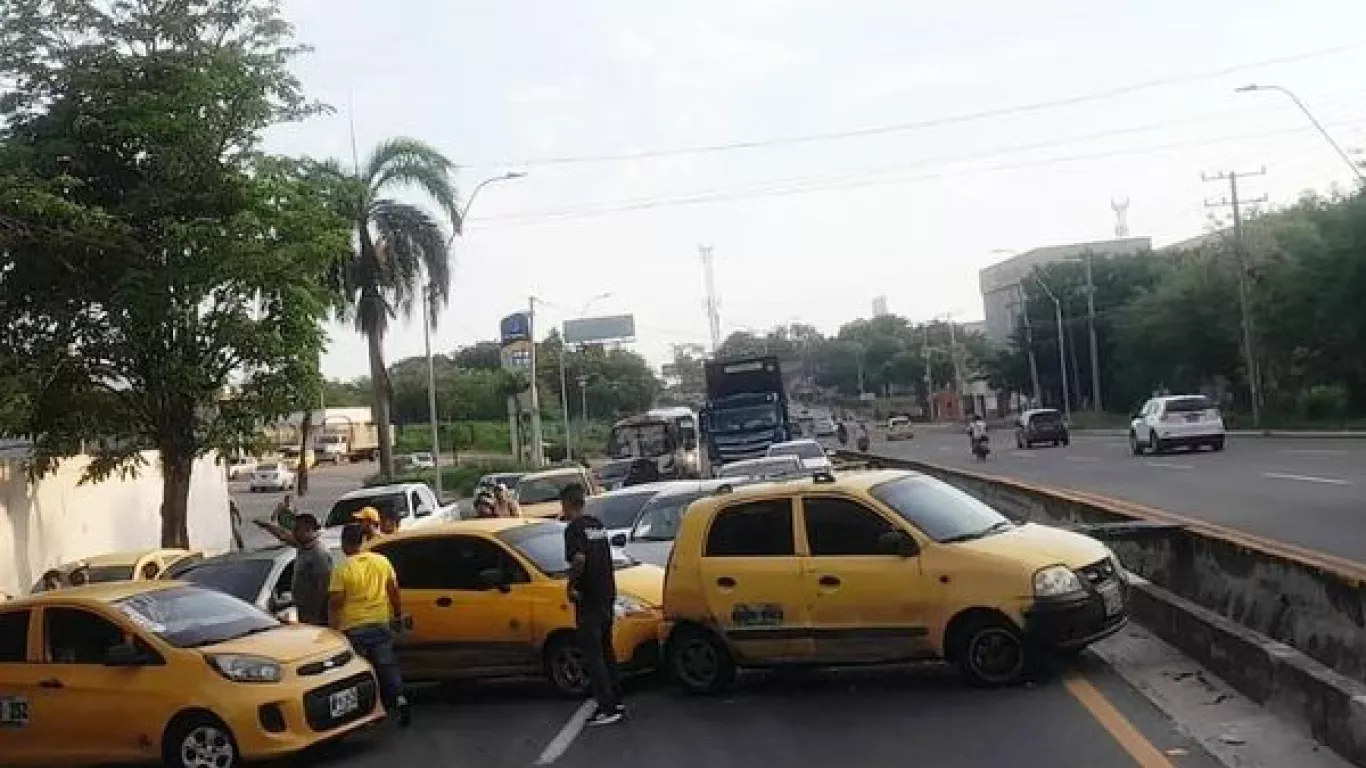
<point x="262" y="577"/>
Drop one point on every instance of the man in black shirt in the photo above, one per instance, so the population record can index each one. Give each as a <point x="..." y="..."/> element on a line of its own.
<point x="593" y="591"/>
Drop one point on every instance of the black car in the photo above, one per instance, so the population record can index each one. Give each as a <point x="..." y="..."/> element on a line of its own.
<point x="1042" y="425"/>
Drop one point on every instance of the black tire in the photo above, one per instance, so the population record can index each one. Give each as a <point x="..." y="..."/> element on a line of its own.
<point x="1135" y="447"/>
<point x="1057" y="443"/>
<point x="199" y="740"/>
<point x="1067" y="440"/>
<point x="1217" y="445"/>
<point x="1154" y="444"/>
<point x="992" y="653"/>
<point x="700" y="662"/>
<point x="564" y="667"/>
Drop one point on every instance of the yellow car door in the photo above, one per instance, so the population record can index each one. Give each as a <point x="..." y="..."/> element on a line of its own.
<point x="751" y="577"/>
<point x="466" y="622"/>
<point x="869" y="601"/>
<point x="23" y="736"/>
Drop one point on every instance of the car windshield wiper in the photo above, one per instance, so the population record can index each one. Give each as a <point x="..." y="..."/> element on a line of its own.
<point x="993" y="528"/>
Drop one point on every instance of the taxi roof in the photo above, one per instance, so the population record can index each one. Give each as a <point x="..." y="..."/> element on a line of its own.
<point x="859" y="480"/>
<point x="129" y="557"/>
<point x="104" y="592"/>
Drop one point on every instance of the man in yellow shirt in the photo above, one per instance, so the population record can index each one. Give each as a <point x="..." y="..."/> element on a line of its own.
<point x="366" y="605"/>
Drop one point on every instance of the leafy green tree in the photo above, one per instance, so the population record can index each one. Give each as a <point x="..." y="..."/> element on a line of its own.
<point x="162" y="282"/>
<point x="401" y="257"/>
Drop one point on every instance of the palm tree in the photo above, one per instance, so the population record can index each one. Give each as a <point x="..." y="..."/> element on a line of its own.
<point x="400" y="246"/>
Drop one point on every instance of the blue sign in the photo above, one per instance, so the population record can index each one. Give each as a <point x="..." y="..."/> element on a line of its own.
<point x="514" y="328"/>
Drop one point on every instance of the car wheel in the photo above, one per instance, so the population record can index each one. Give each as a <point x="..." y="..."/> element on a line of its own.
<point x="1217" y="445"/>
<point x="991" y="653"/>
<point x="200" y="741"/>
<point x="1135" y="447"/>
<point x="1155" y="444"/>
<point x="1019" y="443"/>
<point x="700" y="662"/>
<point x="1067" y="440"/>
<point x="565" y="667"/>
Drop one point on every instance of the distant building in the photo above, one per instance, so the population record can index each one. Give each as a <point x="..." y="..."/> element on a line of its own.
<point x="880" y="306"/>
<point x="1001" y="282"/>
<point x="975" y="327"/>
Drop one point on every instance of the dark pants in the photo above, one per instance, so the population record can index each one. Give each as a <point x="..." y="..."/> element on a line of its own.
<point x="600" y="659"/>
<point x="375" y="644"/>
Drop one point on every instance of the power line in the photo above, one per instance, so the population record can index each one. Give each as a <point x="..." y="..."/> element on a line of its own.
<point x="891" y="128"/>
<point x="829" y="184"/>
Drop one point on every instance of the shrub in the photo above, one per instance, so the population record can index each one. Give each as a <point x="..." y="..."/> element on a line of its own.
<point x="1323" y="402"/>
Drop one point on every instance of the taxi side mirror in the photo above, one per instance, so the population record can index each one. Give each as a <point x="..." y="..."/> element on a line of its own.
<point x="494" y="578"/>
<point x="125" y="655"/>
<point x="898" y="543"/>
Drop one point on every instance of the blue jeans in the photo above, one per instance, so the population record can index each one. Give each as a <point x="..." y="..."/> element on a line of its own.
<point x="375" y="644"/>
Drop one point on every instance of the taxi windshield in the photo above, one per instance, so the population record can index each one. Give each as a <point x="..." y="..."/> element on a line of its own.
<point x="543" y="545"/>
<point x="941" y="511"/>
<point x="752" y="417"/>
<point x="190" y="617"/>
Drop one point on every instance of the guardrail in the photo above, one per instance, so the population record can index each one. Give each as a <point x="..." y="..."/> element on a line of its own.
<point x="1285" y="625"/>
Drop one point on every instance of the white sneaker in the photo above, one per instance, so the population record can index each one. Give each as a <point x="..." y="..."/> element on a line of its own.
<point x="605" y="717"/>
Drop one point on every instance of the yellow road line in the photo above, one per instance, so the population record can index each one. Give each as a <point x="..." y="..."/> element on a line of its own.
<point x="1119" y="727"/>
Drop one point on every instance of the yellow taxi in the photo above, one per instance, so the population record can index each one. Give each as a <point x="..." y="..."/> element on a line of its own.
<point x="877" y="567"/>
<point x="487" y="599"/>
<point x="136" y="565"/>
<point x="158" y="671"/>
<point x="538" y="494"/>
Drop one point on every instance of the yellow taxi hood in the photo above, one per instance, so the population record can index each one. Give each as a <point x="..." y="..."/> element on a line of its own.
<point x="1039" y="546"/>
<point x="545" y="509"/>
<point x="287" y="644"/>
<point x="643" y="581"/>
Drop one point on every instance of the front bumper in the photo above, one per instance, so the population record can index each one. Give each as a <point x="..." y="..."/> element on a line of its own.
<point x="635" y="639"/>
<point x="1074" y="623"/>
<point x="278" y="720"/>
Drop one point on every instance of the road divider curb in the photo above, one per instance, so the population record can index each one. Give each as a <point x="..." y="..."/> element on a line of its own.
<point x="1329" y="706"/>
<point x="1307" y="607"/>
<point x="1319" y="434"/>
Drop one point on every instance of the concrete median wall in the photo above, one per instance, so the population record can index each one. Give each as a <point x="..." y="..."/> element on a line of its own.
<point x="1291" y="629"/>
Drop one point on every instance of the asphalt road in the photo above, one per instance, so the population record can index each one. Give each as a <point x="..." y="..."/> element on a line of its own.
<point x="1308" y="492"/>
<point x="869" y="717"/>
<point x="325" y="485"/>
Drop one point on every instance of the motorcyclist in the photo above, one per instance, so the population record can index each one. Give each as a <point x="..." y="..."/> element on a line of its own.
<point x="842" y="433"/>
<point x="977" y="431"/>
<point x="862" y="437"/>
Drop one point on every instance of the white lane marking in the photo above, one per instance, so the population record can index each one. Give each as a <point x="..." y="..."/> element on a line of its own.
<point x="1306" y="478"/>
<point x="1083" y="459"/>
<point x="571" y="730"/>
<point x="1166" y="465"/>
<point x="1313" y="452"/>
<point x="944" y="449"/>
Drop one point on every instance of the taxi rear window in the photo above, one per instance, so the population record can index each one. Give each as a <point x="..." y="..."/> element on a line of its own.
<point x="14" y="637"/>
<point x="756" y="529"/>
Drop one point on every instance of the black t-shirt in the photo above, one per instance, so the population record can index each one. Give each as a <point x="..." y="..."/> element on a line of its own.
<point x="597" y="585"/>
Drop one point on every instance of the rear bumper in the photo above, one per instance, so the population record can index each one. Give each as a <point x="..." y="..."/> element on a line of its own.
<point x="1075" y="623"/>
<point x="1189" y="438"/>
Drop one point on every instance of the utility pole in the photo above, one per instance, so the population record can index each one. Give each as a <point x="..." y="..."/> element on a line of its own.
<point x="428" y="315"/>
<point x="583" y="397"/>
<point x="537" y="449"/>
<point x="957" y="367"/>
<point x="564" y="400"/>
<point x="1240" y="253"/>
<point x="713" y="307"/>
<point x="1062" y="346"/>
<point x="1029" y="344"/>
<point x="1091" y="326"/>
<point x="929" y="379"/>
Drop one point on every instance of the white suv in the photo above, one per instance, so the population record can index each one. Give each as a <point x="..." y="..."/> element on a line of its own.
<point x="1166" y="422"/>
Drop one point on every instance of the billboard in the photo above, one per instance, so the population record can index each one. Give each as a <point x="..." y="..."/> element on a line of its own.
<point x="515" y="327"/>
<point x="597" y="330"/>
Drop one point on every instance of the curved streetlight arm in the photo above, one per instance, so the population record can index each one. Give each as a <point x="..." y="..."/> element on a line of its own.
<point x="469" y="201"/>
<point x="1356" y="171"/>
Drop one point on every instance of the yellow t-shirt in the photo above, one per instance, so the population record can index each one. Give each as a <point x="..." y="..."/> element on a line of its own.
<point x="361" y="581"/>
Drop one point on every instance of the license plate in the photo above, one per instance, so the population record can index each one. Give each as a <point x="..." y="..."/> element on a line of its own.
<point x="343" y="702"/>
<point x="1193" y="417"/>
<point x="1114" y="600"/>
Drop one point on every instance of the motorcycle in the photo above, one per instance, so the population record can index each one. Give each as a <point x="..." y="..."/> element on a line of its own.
<point x="981" y="447"/>
<point x="863" y="443"/>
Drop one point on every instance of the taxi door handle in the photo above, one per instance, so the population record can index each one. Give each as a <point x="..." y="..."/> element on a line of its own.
<point x="444" y="602"/>
<point x="830" y="581"/>
<point x="725" y="582"/>
<point x="51" y="683"/>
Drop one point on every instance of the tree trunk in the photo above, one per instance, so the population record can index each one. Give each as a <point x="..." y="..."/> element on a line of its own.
<point x="379" y="381"/>
<point x="301" y="479"/>
<point x="175" y="500"/>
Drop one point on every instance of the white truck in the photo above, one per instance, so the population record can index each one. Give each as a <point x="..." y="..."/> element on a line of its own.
<point x="349" y="442"/>
<point x="414" y="504"/>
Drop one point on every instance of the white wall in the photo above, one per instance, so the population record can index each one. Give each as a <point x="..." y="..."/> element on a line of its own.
<point x="58" y="520"/>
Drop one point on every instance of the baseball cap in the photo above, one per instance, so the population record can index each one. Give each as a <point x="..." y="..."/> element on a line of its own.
<point x="368" y="515"/>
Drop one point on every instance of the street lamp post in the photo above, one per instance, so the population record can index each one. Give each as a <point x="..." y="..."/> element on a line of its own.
<point x="429" y="319"/>
<point x="1062" y="349"/>
<point x="1356" y="171"/>
<point x="564" y="389"/>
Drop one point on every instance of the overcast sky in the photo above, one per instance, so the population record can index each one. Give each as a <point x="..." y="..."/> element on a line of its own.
<point x="883" y="147"/>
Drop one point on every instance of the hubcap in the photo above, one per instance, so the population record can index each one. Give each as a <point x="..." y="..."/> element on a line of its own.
<point x="697" y="662"/>
<point x="996" y="655"/>
<point x="206" y="747"/>
<point x="570" y="673"/>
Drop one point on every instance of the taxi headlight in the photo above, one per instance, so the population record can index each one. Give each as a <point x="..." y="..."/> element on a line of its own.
<point x="625" y="605"/>
<point x="246" y="669"/>
<point x="1056" y="581"/>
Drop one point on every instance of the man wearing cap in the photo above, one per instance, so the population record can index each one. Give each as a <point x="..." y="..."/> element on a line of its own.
<point x="312" y="567"/>
<point x="369" y="520"/>
<point x="365" y="604"/>
<point x="503" y="503"/>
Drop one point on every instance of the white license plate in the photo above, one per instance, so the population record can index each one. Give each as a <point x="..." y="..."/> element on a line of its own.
<point x="343" y="702"/>
<point x="1114" y="599"/>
